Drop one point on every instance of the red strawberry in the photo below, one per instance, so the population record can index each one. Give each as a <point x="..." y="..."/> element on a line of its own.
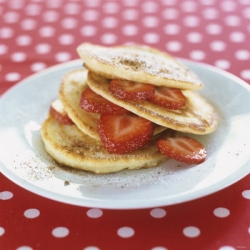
<point x="168" y="97"/>
<point x="58" y="112"/>
<point x="92" y="102"/>
<point x="132" y="91"/>
<point x="124" y="133"/>
<point x="182" y="148"/>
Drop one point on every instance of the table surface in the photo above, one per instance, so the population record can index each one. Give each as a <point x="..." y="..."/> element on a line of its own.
<point x="36" y="34"/>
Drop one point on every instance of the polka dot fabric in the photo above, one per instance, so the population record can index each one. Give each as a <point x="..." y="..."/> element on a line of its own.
<point x="36" y="34"/>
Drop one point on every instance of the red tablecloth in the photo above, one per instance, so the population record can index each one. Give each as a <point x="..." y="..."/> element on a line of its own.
<point x="35" y="34"/>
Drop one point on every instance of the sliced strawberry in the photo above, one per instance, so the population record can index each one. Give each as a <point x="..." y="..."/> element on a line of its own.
<point x="168" y="97"/>
<point x="131" y="91"/>
<point x="58" y="112"/>
<point x="92" y="102"/>
<point x="124" y="133"/>
<point x="182" y="148"/>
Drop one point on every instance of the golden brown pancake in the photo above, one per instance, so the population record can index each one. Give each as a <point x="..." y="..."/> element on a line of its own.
<point x="197" y="117"/>
<point x="73" y="83"/>
<point x="70" y="146"/>
<point x="138" y="64"/>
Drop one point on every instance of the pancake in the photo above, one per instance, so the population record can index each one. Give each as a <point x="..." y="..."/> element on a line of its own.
<point x="72" y="85"/>
<point x="196" y="117"/>
<point x="139" y="64"/>
<point x="70" y="146"/>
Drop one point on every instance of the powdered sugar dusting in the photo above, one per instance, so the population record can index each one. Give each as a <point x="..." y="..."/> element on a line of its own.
<point x="140" y="60"/>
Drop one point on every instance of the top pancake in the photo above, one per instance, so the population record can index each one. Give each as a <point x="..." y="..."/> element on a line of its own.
<point x="138" y="64"/>
<point x="196" y="117"/>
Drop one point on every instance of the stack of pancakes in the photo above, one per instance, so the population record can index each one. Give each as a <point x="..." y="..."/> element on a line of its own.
<point x="79" y="145"/>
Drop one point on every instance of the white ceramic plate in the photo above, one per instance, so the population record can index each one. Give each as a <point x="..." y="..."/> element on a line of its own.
<point x="24" y="160"/>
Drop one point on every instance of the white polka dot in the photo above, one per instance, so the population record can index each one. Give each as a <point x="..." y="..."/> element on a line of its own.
<point x="88" y="30"/>
<point x="111" y="7"/>
<point x="168" y="2"/>
<point x="11" y="17"/>
<point x="13" y="4"/>
<point x="189" y="6"/>
<point x="6" y="32"/>
<point x="221" y="212"/>
<point x="158" y="213"/>
<point x="232" y="20"/>
<point x="47" y="31"/>
<point x="223" y="64"/>
<point x="191" y="232"/>
<point x="170" y="13"/>
<point x="72" y="8"/>
<point x="69" y="23"/>
<point x="43" y="48"/>
<point x="2" y="231"/>
<point x="194" y="37"/>
<point x="210" y="13"/>
<point x="60" y="232"/>
<point x="62" y="56"/>
<point x="109" y="22"/>
<point x="218" y="46"/>
<point x="92" y="3"/>
<point x="130" y="30"/>
<point x="37" y="66"/>
<point x="130" y="2"/>
<point x="191" y="21"/>
<point x="151" y="38"/>
<point x="94" y="213"/>
<point x="91" y="248"/>
<point x="125" y="232"/>
<point x="28" y="24"/>
<point x="214" y="29"/>
<point x="66" y="39"/>
<point x="54" y="3"/>
<point x="207" y="2"/>
<point x="23" y="40"/>
<point x="109" y="38"/>
<point x="246" y="75"/>
<point x="90" y="15"/>
<point x="12" y="77"/>
<point x="3" y="49"/>
<point x="130" y="14"/>
<point x="159" y="248"/>
<point x="172" y="29"/>
<point x="174" y="46"/>
<point x="24" y="248"/>
<point x="31" y="213"/>
<point x="242" y="54"/>
<point x="249" y="230"/>
<point x="150" y="21"/>
<point x="246" y="12"/>
<point x="33" y="9"/>
<point x="237" y="37"/>
<point x="244" y="2"/>
<point x="50" y="16"/>
<point x="227" y="248"/>
<point x="149" y="7"/>
<point x="228" y="6"/>
<point x="197" y="55"/>
<point x="18" y="57"/>
<point x="246" y="193"/>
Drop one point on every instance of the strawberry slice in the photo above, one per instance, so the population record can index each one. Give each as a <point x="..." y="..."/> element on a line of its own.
<point x="92" y="102"/>
<point x="131" y="91"/>
<point x="124" y="133"/>
<point x="182" y="148"/>
<point x="58" y="112"/>
<point x="168" y="97"/>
